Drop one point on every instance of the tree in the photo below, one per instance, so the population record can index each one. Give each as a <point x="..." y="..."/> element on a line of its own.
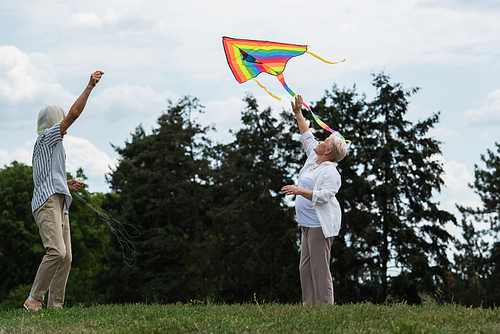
<point x="20" y="246"/>
<point x="477" y="263"/>
<point x="161" y="183"/>
<point x="21" y="250"/>
<point x="256" y="230"/>
<point x="487" y="186"/>
<point x="471" y="267"/>
<point x="89" y="238"/>
<point x="213" y="224"/>
<point x="388" y="178"/>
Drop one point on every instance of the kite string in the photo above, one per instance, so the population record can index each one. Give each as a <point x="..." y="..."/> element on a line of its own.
<point x="116" y="227"/>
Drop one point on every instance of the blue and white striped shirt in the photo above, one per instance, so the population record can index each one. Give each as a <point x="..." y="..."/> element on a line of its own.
<point x="49" y="167"/>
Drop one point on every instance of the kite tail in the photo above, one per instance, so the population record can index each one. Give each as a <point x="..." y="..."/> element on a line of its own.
<point x="316" y="118"/>
<point x="278" y="98"/>
<point x="326" y="61"/>
<point x="321" y="123"/>
<point x="326" y="127"/>
<point x="283" y="83"/>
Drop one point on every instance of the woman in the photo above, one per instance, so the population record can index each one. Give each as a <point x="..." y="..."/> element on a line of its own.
<point x="317" y="209"/>
<point x="51" y="200"/>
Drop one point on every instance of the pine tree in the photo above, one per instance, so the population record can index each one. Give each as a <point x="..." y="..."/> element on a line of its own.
<point x="477" y="263"/>
<point x="160" y="182"/>
<point x="257" y="233"/>
<point x="387" y="181"/>
<point x="214" y="224"/>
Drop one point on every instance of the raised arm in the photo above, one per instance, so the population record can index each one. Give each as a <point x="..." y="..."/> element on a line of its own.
<point x="77" y="107"/>
<point x="297" y="109"/>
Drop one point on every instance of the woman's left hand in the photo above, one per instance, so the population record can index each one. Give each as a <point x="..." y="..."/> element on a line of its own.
<point x="74" y="185"/>
<point x="291" y="190"/>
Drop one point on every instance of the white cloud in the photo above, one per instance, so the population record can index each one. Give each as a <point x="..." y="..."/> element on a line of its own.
<point x="125" y="99"/>
<point x="488" y="113"/>
<point x="120" y="17"/>
<point x="477" y="5"/>
<point x="487" y="136"/>
<point x="370" y="34"/>
<point x="456" y="176"/>
<point x="82" y="153"/>
<point x="228" y="116"/>
<point x="456" y="191"/>
<point x="86" y="20"/>
<point x="79" y="153"/>
<point x="95" y="164"/>
<point x="21" y="154"/>
<point x="27" y="77"/>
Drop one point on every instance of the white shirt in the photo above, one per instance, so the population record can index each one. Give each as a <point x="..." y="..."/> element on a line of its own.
<point x="306" y="215"/>
<point x="326" y="184"/>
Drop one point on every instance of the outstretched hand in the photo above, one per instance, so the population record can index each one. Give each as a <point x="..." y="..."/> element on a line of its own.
<point x="297" y="106"/>
<point x="290" y="190"/>
<point x="95" y="77"/>
<point x="74" y="185"/>
<point x="294" y="190"/>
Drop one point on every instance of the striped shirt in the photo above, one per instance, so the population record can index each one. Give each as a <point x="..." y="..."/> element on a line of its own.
<point x="49" y="167"/>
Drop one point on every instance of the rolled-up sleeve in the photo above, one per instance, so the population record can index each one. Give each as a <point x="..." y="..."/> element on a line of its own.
<point x="309" y="143"/>
<point x="328" y="188"/>
<point x="326" y="185"/>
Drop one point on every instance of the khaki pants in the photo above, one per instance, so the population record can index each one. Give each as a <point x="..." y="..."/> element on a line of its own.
<point x="314" y="268"/>
<point x="52" y="275"/>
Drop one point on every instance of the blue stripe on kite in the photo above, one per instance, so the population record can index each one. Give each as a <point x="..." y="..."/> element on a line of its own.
<point x="276" y="54"/>
<point x="275" y="51"/>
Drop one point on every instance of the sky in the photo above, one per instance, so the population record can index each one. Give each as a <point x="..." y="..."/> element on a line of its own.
<point x="153" y="51"/>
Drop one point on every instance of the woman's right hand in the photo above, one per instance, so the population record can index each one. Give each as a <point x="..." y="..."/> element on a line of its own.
<point x="95" y="77"/>
<point x="297" y="109"/>
<point x="78" y="106"/>
<point x="297" y="106"/>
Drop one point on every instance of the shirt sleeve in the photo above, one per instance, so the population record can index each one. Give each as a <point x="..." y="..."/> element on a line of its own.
<point x="52" y="135"/>
<point x="328" y="188"/>
<point x="309" y="143"/>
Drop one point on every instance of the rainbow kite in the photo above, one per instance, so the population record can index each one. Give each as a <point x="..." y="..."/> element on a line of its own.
<point x="248" y="58"/>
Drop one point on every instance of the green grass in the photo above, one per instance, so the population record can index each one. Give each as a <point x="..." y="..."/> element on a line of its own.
<point x="253" y="318"/>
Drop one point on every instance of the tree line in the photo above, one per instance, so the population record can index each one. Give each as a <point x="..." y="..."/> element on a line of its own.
<point x="215" y="227"/>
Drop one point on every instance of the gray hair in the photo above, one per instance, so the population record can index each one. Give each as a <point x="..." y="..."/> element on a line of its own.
<point x="49" y="116"/>
<point x="338" y="146"/>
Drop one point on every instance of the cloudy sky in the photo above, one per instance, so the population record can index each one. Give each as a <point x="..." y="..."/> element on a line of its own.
<point x="152" y="51"/>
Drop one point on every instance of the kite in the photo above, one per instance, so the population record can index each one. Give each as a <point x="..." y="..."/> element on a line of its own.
<point x="248" y="58"/>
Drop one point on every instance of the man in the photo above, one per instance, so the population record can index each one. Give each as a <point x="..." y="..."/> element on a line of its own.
<point x="52" y="199"/>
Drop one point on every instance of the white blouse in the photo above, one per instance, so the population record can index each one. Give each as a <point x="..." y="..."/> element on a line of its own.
<point x="326" y="184"/>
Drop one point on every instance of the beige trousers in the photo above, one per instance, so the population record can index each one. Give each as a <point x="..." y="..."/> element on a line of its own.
<point x="53" y="272"/>
<point x="314" y="268"/>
